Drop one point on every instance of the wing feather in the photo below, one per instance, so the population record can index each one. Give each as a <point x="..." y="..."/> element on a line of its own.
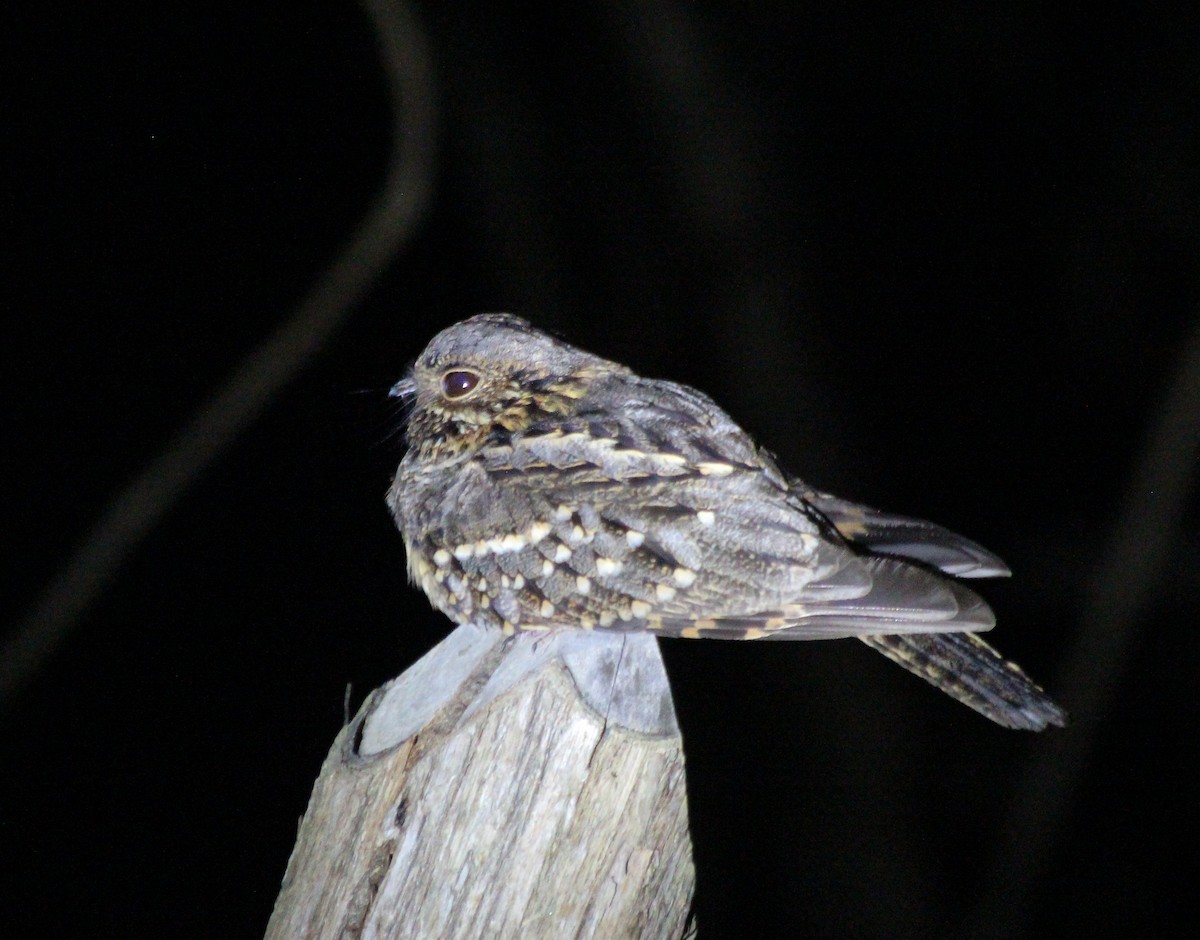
<point x="907" y="537"/>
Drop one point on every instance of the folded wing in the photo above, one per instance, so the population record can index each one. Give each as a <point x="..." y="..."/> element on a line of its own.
<point x="906" y="537"/>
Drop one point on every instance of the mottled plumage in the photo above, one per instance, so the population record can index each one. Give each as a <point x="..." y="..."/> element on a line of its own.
<point x="545" y="487"/>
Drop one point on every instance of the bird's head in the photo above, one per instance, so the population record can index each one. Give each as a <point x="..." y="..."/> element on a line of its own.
<point x="491" y="374"/>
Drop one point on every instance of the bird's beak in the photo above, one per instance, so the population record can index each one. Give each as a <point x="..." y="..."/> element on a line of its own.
<point x="405" y="389"/>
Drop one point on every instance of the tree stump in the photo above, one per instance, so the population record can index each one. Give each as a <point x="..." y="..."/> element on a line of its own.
<point x="525" y="787"/>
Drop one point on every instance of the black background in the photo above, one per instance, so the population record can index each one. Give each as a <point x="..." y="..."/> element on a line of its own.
<point x="943" y="262"/>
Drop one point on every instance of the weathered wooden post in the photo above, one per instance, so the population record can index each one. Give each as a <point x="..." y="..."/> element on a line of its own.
<point x="525" y="787"/>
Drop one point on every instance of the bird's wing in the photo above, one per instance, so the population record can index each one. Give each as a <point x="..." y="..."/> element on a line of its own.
<point x="610" y="524"/>
<point x="906" y="537"/>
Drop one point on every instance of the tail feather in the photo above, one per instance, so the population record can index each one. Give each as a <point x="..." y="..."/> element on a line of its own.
<point x="966" y="668"/>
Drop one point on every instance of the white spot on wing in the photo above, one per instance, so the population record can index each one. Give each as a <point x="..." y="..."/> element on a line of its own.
<point x="684" y="577"/>
<point x="507" y="544"/>
<point x="607" y="566"/>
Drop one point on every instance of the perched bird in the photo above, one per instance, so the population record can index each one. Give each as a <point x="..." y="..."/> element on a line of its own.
<point x="545" y="487"/>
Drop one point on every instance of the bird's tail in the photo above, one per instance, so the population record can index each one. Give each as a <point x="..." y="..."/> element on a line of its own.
<point x="966" y="668"/>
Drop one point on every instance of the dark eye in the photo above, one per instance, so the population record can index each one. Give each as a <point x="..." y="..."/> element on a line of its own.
<point x="458" y="383"/>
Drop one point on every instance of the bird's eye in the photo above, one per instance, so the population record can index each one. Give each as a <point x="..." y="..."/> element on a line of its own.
<point x="459" y="382"/>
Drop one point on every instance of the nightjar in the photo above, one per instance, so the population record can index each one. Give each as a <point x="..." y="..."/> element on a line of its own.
<point x="545" y="487"/>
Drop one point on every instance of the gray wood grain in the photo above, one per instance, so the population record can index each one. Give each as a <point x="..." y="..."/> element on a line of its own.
<point x="532" y="787"/>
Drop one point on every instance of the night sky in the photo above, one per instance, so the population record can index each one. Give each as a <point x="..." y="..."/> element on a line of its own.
<point x="944" y="263"/>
